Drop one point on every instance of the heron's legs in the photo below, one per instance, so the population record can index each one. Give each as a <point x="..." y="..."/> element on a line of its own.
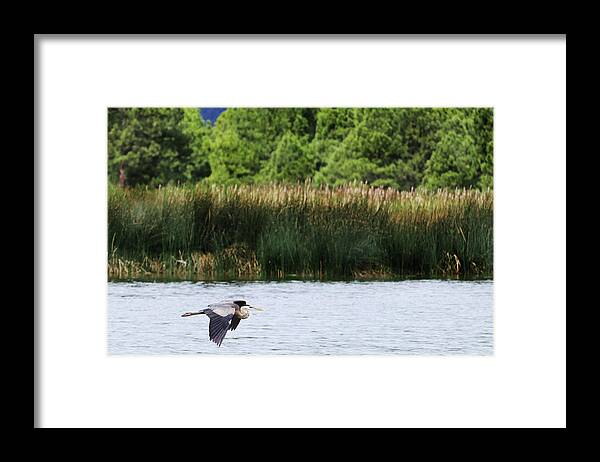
<point x="192" y="313"/>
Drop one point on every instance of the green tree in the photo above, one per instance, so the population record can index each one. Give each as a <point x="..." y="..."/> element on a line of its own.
<point x="372" y="150"/>
<point x="401" y="148"/>
<point x="149" y="143"/>
<point x="463" y="153"/>
<point x="290" y="162"/>
<point x="231" y="159"/>
<point x="420" y="133"/>
<point x="198" y="133"/>
<point x="334" y="123"/>
<point x="244" y="139"/>
<point x="344" y="167"/>
<point x="484" y="138"/>
<point x="454" y="160"/>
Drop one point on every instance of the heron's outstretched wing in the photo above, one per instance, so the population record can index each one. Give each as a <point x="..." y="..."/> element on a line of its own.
<point x="218" y="326"/>
<point x="234" y="323"/>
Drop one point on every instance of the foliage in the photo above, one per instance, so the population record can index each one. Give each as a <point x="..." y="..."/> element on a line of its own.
<point x="198" y="133"/>
<point x="150" y="143"/>
<point x="290" y="161"/>
<point x="462" y="157"/>
<point x="402" y="148"/>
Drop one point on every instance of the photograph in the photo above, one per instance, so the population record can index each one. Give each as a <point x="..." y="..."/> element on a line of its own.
<point x="335" y="231"/>
<point x="300" y="230"/>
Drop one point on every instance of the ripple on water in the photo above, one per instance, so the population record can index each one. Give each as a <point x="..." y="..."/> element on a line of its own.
<point x="306" y="318"/>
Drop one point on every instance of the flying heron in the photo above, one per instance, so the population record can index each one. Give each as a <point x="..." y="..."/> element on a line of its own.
<point x="224" y="316"/>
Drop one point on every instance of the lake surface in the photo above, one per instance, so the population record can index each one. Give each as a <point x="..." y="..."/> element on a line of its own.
<point x="416" y="317"/>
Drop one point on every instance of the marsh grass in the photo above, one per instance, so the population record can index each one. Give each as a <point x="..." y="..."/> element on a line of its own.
<point x="278" y="231"/>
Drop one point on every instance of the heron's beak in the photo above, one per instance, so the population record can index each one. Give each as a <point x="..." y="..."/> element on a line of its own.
<point x="256" y="308"/>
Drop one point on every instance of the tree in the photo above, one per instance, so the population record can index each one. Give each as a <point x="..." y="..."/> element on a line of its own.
<point x="290" y="162"/>
<point x="198" y="132"/>
<point x="454" y="161"/>
<point x="372" y="149"/>
<point x="244" y="140"/>
<point x="149" y="143"/>
<point x="232" y="160"/>
<point x="463" y="152"/>
<point x="484" y="138"/>
<point x="401" y="148"/>
<point x="334" y="123"/>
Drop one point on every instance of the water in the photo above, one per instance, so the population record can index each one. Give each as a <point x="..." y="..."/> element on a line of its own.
<point x="425" y="317"/>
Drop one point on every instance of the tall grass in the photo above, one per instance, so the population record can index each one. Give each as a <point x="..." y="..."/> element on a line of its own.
<point x="274" y="231"/>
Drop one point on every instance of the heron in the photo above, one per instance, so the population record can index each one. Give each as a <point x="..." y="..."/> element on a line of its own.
<point x="225" y="315"/>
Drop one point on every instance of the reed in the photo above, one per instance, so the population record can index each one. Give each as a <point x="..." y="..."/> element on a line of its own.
<point x="277" y="231"/>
